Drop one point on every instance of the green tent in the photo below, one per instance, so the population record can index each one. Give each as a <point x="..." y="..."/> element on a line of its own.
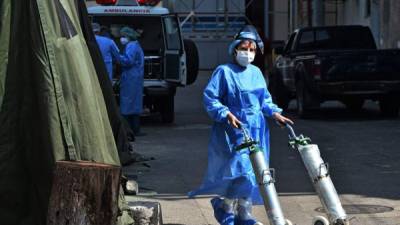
<point x="123" y="135"/>
<point x="52" y="106"/>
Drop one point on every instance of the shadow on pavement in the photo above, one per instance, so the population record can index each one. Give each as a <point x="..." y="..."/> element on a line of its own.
<point x="333" y="111"/>
<point x="361" y="149"/>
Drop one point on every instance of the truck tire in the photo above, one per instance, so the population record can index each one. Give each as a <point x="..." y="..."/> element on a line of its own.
<point x="353" y="104"/>
<point x="167" y="109"/>
<point x="278" y="92"/>
<point x="389" y="106"/>
<point x="303" y="97"/>
<point x="192" y="61"/>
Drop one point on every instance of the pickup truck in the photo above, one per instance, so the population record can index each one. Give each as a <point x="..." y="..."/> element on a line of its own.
<point x="335" y="63"/>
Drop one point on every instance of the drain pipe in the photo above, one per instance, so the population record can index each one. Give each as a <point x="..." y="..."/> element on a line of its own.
<point x="318" y="13"/>
<point x="266" y="19"/>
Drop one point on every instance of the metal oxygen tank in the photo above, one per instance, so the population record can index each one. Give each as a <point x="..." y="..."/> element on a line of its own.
<point x="318" y="171"/>
<point x="265" y="180"/>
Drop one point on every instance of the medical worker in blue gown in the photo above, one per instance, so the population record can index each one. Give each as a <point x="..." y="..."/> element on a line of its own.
<point x="108" y="48"/>
<point x="237" y="95"/>
<point x="131" y="85"/>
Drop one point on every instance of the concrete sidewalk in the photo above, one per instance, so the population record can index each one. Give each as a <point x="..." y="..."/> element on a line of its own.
<point x="178" y="209"/>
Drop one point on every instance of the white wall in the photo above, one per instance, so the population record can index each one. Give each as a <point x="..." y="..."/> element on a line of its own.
<point x="354" y="12"/>
<point x="211" y="43"/>
<point x="390" y="20"/>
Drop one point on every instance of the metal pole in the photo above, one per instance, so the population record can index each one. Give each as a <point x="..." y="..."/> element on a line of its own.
<point x="193" y="9"/>
<point x="375" y="21"/>
<point x="187" y="18"/>
<point x="217" y="9"/>
<point x="293" y="15"/>
<point x="290" y="15"/>
<point x="309" y="13"/>
<point x="318" y="13"/>
<point x="266" y="19"/>
<point x="336" y="12"/>
<point x="226" y="18"/>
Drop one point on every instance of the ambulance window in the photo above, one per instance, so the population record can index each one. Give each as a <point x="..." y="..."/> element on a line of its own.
<point x="172" y="33"/>
<point x="150" y="28"/>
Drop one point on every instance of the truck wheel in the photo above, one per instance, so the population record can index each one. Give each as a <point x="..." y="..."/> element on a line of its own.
<point x="303" y="99"/>
<point x="389" y="106"/>
<point x="354" y="105"/>
<point x="167" y="109"/>
<point x="192" y="61"/>
<point x="278" y="92"/>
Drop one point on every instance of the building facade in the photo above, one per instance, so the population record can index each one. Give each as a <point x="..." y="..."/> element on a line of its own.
<point x="213" y="23"/>
<point x="382" y="16"/>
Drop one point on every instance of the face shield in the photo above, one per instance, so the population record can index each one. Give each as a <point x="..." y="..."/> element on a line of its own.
<point x="248" y="32"/>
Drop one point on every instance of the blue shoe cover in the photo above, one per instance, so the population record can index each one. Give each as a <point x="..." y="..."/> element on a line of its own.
<point x="246" y="222"/>
<point x="223" y="217"/>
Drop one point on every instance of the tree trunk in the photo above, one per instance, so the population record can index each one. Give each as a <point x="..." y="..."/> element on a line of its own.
<point x="84" y="193"/>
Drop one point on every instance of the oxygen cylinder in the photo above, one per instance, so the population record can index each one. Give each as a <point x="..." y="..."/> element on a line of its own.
<point x="267" y="188"/>
<point x="265" y="180"/>
<point x="319" y="174"/>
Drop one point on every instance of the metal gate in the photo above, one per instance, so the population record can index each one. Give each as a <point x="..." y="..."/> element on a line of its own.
<point x="211" y="24"/>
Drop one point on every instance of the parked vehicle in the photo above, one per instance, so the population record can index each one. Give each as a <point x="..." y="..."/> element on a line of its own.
<point x="336" y="63"/>
<point x="170" y="61"/>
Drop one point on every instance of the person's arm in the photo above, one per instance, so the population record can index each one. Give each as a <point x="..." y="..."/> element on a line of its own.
<point x="128" y="58"/>
<point x="139" y="57"/>
<point x="213" y="94"/>
<point x="114" y="52"/>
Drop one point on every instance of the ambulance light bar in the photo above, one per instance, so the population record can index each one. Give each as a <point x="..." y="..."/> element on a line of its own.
<point x="128" y="2"/>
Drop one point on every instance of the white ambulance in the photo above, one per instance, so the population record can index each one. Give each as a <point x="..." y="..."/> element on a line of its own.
<point x="170" y="61"/>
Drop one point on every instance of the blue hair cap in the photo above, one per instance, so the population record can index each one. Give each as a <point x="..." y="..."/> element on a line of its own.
<point x="248" y="32"/>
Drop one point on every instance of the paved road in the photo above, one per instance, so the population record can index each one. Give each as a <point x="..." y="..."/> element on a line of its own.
<point x="362" y="150"/>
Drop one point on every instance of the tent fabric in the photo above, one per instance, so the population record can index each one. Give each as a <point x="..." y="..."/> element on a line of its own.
<point x="79" y="99"/>
<point x="4" y="42"/>
<point x="52" y="105"/>
<point x="121" y="130"/>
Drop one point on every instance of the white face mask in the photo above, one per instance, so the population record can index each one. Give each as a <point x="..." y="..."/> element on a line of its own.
<point x="244" y="58"/>
<point x="124" y="40"/>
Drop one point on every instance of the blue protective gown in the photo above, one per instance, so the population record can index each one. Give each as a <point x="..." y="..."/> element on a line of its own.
<point x="131" y="85"/>
<point x="243" y="92"/>
<point x="109" y="51"/>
